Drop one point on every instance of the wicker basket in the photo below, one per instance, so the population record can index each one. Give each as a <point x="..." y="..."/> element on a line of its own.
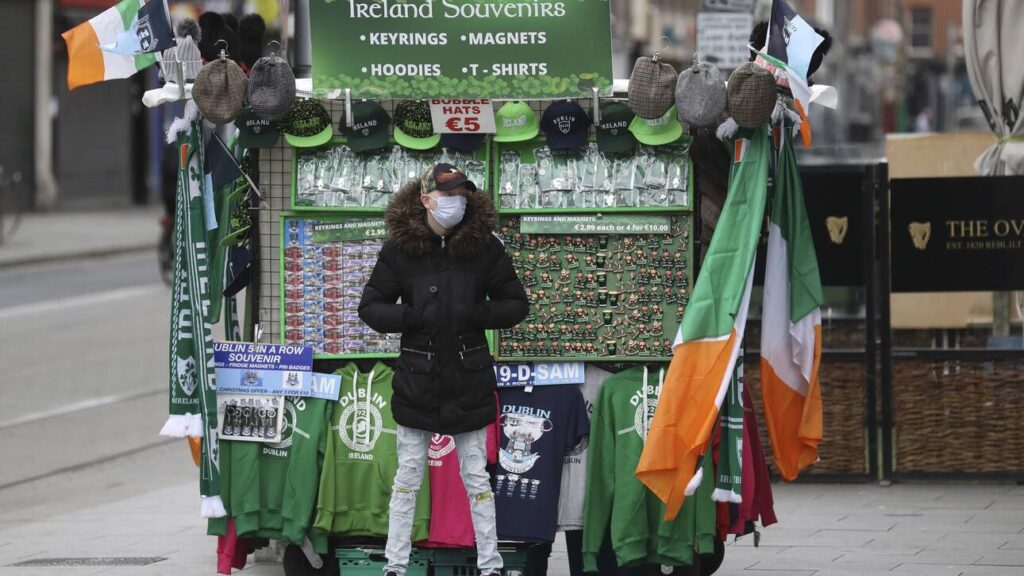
<point x="958" y="416"/>
<point x="843" y="449"/>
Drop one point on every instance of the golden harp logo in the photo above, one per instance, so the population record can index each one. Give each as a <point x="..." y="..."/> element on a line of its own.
<point x="920" y="233"/>
<point x="837" y="227"/>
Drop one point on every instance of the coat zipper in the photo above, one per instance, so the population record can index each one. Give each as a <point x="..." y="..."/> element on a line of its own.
<point x="429" y="355"/>
<point x="463" y="352"/>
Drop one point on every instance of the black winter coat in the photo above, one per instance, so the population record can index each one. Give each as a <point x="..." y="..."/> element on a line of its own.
<point x="444" y="378"/>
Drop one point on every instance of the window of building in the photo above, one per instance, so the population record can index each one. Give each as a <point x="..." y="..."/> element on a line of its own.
<point x="921" y="30"/>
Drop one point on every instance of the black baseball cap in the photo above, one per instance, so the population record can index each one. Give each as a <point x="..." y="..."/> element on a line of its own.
<point x="462" y="142"/>
<point x="566" y="125"/>
<point x="255" y="132"/>
<point x="446" y="177"/>
<point x="369" y="129"/>
<point x="613" y="135"/>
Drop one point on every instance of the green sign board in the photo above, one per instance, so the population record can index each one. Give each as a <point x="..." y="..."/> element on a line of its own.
<point x="462" y="48"/>
<point x="596" y="224"/>
<point x="348" y="230"/>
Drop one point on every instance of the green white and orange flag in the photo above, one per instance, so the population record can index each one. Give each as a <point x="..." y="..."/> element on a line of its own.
<point x="95" y="48"/>
<point x="791" y="325"/>
<point x="708" y="341"/>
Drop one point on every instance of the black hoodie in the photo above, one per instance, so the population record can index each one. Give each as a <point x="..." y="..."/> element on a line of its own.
<point x="444" y="378"/>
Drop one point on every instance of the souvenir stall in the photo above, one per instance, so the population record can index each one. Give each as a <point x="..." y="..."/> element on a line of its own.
<point x="622" y="418"/>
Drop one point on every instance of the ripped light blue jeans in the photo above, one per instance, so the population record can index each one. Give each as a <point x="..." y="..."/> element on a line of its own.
<point x="412" y="461"/>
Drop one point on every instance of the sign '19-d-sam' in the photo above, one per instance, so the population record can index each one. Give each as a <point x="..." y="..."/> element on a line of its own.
<point x="459" y="48"/>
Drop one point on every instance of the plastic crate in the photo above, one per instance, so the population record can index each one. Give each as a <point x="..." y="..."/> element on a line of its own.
<point x="371" y="562"/>
<point x="462" y="562"/>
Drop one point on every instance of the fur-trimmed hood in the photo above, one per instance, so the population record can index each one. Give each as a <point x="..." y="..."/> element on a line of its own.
<point x="406" y="220"/>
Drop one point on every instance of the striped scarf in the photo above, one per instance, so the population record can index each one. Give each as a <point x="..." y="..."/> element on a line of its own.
<point x="193" y="391"/>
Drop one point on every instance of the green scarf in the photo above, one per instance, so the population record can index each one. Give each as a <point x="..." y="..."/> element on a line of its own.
<point x="730" y="445"/>
<point x="184" y="417"/>
<point x="191" y="332"/>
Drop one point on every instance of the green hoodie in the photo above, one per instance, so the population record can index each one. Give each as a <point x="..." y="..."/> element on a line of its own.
<point x="269" y="488"/>
<point x="362" y="459"/>
<point x="617" y="501"/>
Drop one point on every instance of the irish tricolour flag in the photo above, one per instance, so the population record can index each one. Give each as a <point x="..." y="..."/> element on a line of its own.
<point x="791" y="325"/>
<point x="89" y="62"/>
<point x="707" y="344"/>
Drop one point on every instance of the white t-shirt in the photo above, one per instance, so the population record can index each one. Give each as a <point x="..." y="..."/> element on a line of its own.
<point x="574" y="470"/>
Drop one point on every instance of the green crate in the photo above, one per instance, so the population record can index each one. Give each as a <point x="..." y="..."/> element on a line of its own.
<point x="462" y="562"/>
<point x="371" y="562"/>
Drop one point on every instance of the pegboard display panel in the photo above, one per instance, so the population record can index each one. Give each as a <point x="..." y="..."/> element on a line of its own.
<point x="277" y="181"/>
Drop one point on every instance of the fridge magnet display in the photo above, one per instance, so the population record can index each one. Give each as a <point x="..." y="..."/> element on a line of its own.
<point x="601" y="287"/>
<point x="326" y="262"/>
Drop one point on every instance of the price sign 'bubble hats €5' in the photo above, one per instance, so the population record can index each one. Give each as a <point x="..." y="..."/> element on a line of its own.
<point x="413" y="128"/>
<point x="308" y="124"/>
<point x="515" y="122"/>
<point x="369" y="129"/>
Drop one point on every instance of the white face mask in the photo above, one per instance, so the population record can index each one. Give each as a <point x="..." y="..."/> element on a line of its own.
<point x="450" y="211"/>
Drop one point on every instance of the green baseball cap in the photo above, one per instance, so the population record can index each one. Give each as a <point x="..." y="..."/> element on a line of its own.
<point x="664" y="129"/>
<point x="255" y="132"/>
<point x="369" y="130"/>
<point x="413" y="128"/>
<point x="308" y="124"/>
<point x="613" y="135"/>
<point x="515" y="122"/>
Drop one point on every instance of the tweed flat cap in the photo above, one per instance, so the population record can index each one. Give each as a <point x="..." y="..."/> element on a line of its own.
<point x="219" y="90"/>
<point x="700" y="95"/>
<point x="751" y="95"/>
<point x="271" y="88"/>
<point x="652" y="87"/>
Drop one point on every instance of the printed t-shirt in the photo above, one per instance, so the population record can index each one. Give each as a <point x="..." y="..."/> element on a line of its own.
<point x="538" y="429"/>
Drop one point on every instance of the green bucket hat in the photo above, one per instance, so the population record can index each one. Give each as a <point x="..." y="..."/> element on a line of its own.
<point x="515" y="122"/>
<point x="413" y="128"/>
<point x="664" y="129"/>
<point x="308" y="124"/>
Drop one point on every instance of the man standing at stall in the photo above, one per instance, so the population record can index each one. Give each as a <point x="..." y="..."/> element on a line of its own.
<point x="455" y="281"/>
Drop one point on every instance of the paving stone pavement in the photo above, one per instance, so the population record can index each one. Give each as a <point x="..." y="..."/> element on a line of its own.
<point x="823" y="530"/>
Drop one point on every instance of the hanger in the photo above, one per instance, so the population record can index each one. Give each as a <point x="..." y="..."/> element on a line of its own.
<point x="657" y="53"/>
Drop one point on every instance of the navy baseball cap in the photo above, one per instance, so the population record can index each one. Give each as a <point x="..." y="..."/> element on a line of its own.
<point x="462" y="142"/>
<point x="566" y="125"/>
